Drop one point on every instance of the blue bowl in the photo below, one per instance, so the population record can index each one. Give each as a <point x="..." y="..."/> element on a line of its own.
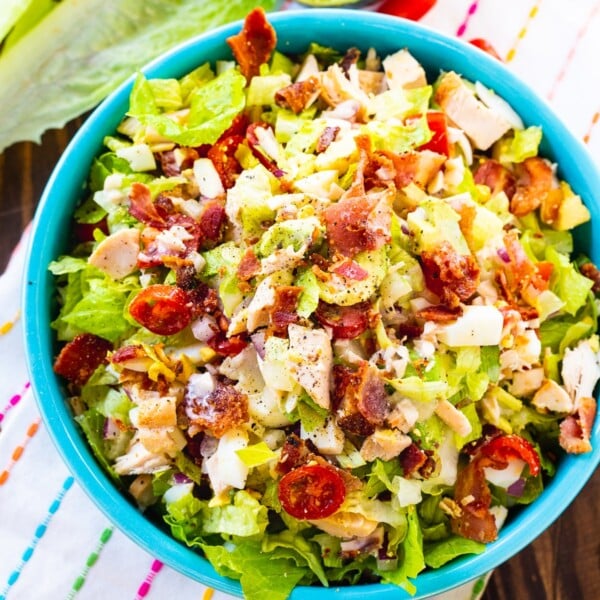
<point x="338" y="28"/>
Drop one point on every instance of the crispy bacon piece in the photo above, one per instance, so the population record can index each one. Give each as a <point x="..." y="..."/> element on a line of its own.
<point x="283" y="312"/>
<point x="351" y="270"/>
<point x="536" y="186"/>
<point x="253" y="46"/>
<point x="299" y="95"/>
<point x="142" y="208"/>
<point x="357" y="224"/>
<point x="222" y="409"/>
<point x="576" y="429"/>
<point x="326" y="138"/>
<point x="173" y="162"/>
<point x="439" y="313"/>
<point x="249" y="266"/>
<point x="452" y="276"/>
<point x="222" y="154"/>
<point x="412" y="459"/>
<point x="472" y="494"/>
<point x="350" y="58"/>
<point x="591" y="271"/>
<point x="496" y="176"/>
<point x="360" y="398"/>
<point x="213" y="220"/>
<point x="345" y="322"/>
<point x="80" y="357"/>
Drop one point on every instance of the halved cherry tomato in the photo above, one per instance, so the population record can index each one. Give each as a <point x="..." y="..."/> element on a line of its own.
<point x="485" y="46"/>
<point x="162" y="309"/>
<point x="312" y="491"/>
<point x="438" y="125"/>
<point x="505" y="447"/>
<point x="346" y="322"/>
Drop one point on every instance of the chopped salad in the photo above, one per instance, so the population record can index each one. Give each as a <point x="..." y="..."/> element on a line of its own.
<point x="321" y="316"/>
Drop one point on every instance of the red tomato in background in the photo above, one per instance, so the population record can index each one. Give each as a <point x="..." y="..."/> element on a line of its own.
<point x="409" y="9"/>
<point x="162" y="309"/>
<point x="485" y="46"/>
<point x="312" y="491"/>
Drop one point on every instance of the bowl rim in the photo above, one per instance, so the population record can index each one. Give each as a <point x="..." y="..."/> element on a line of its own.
<point x="67" y="438"/>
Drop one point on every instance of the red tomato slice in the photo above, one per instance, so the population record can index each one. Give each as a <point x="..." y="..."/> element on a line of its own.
<point x="312" y="492"/>
<point x="162" y="309"/>
<point x="346" y="322"/>
<point x="485" y="46"/>
<point x="505" y="447"/>
<point x="439" y="127"/>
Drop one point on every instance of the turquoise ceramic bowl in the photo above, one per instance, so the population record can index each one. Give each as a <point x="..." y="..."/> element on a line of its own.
<point x="50" y="234"/>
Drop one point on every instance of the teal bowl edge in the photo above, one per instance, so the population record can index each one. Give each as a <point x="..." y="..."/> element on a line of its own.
<point x="339" y="28"/>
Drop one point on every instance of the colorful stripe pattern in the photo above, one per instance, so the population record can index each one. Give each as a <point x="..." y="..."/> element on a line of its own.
<point x="462" y="28"/>
<point x="523" y="31"/>
<point x="18" y="451"/>
<point x="90" y="562"/>
<point x="14" y="401"/>
<point x="40" y="530"/>
<point x="147" y="583"/>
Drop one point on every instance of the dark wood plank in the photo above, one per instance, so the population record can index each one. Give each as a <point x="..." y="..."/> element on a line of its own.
<point x="562" y="564"/>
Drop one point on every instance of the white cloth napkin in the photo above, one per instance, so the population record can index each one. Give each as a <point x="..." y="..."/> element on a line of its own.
<point x="54" y="543"/>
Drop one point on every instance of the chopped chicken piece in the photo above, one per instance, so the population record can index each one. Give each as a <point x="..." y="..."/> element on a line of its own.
<point x="453" y="417"/>
<point x="552" y="396"/>
<point x="402" y="70"/>
<point x="482" y="124"/>
<point x="384" y="444"/>
<point x="117" y="254"/>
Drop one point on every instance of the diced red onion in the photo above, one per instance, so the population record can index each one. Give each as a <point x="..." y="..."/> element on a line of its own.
<point x="503" y="254"/>
<point x="110" y="430"/>
<point x="516" y="489"/>
<point x="181" y="478"/>
<point x="258" y="341"/>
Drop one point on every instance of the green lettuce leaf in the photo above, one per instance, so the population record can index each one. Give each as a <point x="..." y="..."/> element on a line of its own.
<point x="523" y="145"/>
<point x="439" y="553"/>
<point x="81" y="51"/>
<point x="258" y="572"/>
<point x="10" y="13"/>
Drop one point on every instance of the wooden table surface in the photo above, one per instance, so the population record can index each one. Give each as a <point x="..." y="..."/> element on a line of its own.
<point x="561" y="564"/>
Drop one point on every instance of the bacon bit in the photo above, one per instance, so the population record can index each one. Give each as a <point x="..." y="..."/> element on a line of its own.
<point x="496" y="176"/>
<point x="326" y="138"/>
<point x="351" y="270"/>
<point x="253" y="46"/>
<point x="253" y="141"/>
<point x="222" y="154"/>
<point x="227" y="346"/>
<point x="473" y="495"/>
<point x="249" y="266"/>
<point x="416" y="167"/>
<point x="212" y="223"/>
<point x="345" y="322"/>
<point x="299" y="95"/>
<point x="283" y="312"/>
<point x="238" y="126"/>
<point x="536" y="185"/>
<point x="223" y="409"/>
<point x="412" y="460"/>
<point x="173" y="162"/>
<point x="80" y="357"/>
<point x="142" y="208"/>
<point x="360" y="398"/>
<point x="591" y="271"/>
<point x="439" y="313"/>
<point x="408" y="330"/>
<point x="355" y="224"/>
<point x="452" y="276"/>
<point x="576" y="429"/>
<point x="350" y="58"/>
